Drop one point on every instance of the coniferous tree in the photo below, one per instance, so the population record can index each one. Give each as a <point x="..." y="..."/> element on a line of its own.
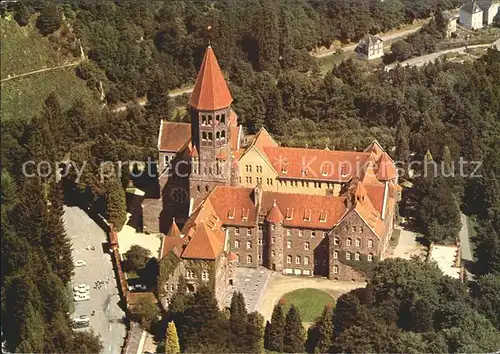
<point x="402" y="153"/>
<point x="57" y="244"/>
<point x="238" y="308"/>
<point x="256" y="321"/>
<point x="277" y="329"/>
<point x="324" y="328"/>
<point x="294" y="338"/>
<point x="172" y="340"/>
<point x="346" y="312"/>
<point x="116" y="211"/>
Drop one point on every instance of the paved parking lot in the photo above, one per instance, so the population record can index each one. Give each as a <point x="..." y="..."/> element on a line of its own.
<point x="107" y="320"/>
<point x="251" y="283"/>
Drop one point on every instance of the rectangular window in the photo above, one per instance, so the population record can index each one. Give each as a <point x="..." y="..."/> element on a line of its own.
<point x="236" y="230"/>
<point x="301" y="233"/>
<point x="288" y="244"/>
<point x="249" y="232"/>
<point x="289" y="232"/>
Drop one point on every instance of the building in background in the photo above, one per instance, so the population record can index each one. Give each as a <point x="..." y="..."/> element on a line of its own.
<point x="370" y="47"/>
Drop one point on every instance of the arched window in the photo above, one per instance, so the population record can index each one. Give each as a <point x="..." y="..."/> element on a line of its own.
<point x="203" y="120"/>
<point x="249" y="259"/>
<point x="210" y="136"/>
<point x="297" y="260"/>
<point x="348" y="242"/>
<point x="335" y="269"/>
<point x="336" y="241"/>
<point x="223" y="135"/>
<point x="358" y="242"/>
<point x="249" y="245"/>
<point x="356" y="256"/>
<point x="206" y="188"/>
<point x="370" y="243"/>
<point x="236" y="244"/>
<point x="217" y="135"/>
<point x="289" y="259"/>
<point x="217" y="119"/>
<point x="273" y="253"/>
<point x="348" y="256"/>
<point x="210" y="118"/>
<point x="204" y="275"/>
<point x="204" y="136"/>
<point x="307" y="246"/>
<point x="223" y="118"/>
<point x="370" y="257"/>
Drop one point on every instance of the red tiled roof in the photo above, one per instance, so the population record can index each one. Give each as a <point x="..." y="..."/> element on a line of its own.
<point x="376" y="194"/>
<point x="306" y="211"/>
<point x="194" y="151"/>
<point x="317" y="164"/>
<point x="274" y="216"/>
<point x="263" y="139"/>
<point x="172" y="241"/>
<point x="386" y="169"/>
<point x="375" y="148"/>
<point x="210" y="91"/>
<point x="174" y="136"/>
<point x="234" y="205"/>
<point x="206" y="243"/>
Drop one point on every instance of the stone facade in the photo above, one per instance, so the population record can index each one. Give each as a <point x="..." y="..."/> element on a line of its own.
<point x="304" y="212"/>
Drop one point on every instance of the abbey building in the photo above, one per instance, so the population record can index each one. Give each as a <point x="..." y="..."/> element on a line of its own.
<point x="241" y="201"/>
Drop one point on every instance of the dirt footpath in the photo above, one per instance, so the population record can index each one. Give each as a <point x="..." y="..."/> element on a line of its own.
<point x="278" y="285"/>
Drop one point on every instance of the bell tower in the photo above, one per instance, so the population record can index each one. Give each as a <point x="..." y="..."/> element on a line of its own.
<point x="210" y="109"/>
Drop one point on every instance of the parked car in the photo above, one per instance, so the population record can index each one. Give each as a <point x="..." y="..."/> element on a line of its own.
<point x="81" y="287"/>
<point x="80" y="263"/>
<point x="81" y="297"/>
<point x="81" y="291"/>
<point x="81" y="321"/>
<point x="137" y="287"/>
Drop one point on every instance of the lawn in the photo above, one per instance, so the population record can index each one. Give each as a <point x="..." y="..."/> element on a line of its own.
<point x="310" y="302"/>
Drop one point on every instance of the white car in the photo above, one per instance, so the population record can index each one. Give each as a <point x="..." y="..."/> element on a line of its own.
<point x="81" y="287"/>
<point x="78" y="297"/>
<point x="81" y="292"/>
<point x="80" y="263"/>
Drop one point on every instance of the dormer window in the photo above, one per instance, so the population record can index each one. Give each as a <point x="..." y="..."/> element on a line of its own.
<point x="304" y="172"/>
<point x="289" y="213"/>
<point x="307" y="215"/>
<point x="244" y="214"/>
<point x="230" y="214"/>
<point x="344" y="170"/>
<point x="283" y="169"/>
<point x="322" y="216"/>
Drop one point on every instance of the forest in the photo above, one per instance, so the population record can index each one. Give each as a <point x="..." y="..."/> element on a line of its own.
<point x="441" y="112"/>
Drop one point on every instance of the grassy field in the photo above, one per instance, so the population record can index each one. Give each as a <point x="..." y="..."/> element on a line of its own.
<point x="310" y="302"/>
<point x="24" y="50"/>
<point x="24" y="97"/>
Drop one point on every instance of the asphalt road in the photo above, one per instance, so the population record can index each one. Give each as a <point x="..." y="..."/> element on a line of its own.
<point x="464" y="239"/>
<point x="428" y="58"/>
<point x="107" y="321"/>
<point x="351" y="47"/>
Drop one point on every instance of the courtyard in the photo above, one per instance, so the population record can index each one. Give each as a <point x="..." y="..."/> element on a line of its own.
<point x="279" y="285"/>
<point x="309" y="302"/>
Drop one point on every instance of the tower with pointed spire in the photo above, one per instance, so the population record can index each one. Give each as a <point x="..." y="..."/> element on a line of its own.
<point x="210" y="108"/>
